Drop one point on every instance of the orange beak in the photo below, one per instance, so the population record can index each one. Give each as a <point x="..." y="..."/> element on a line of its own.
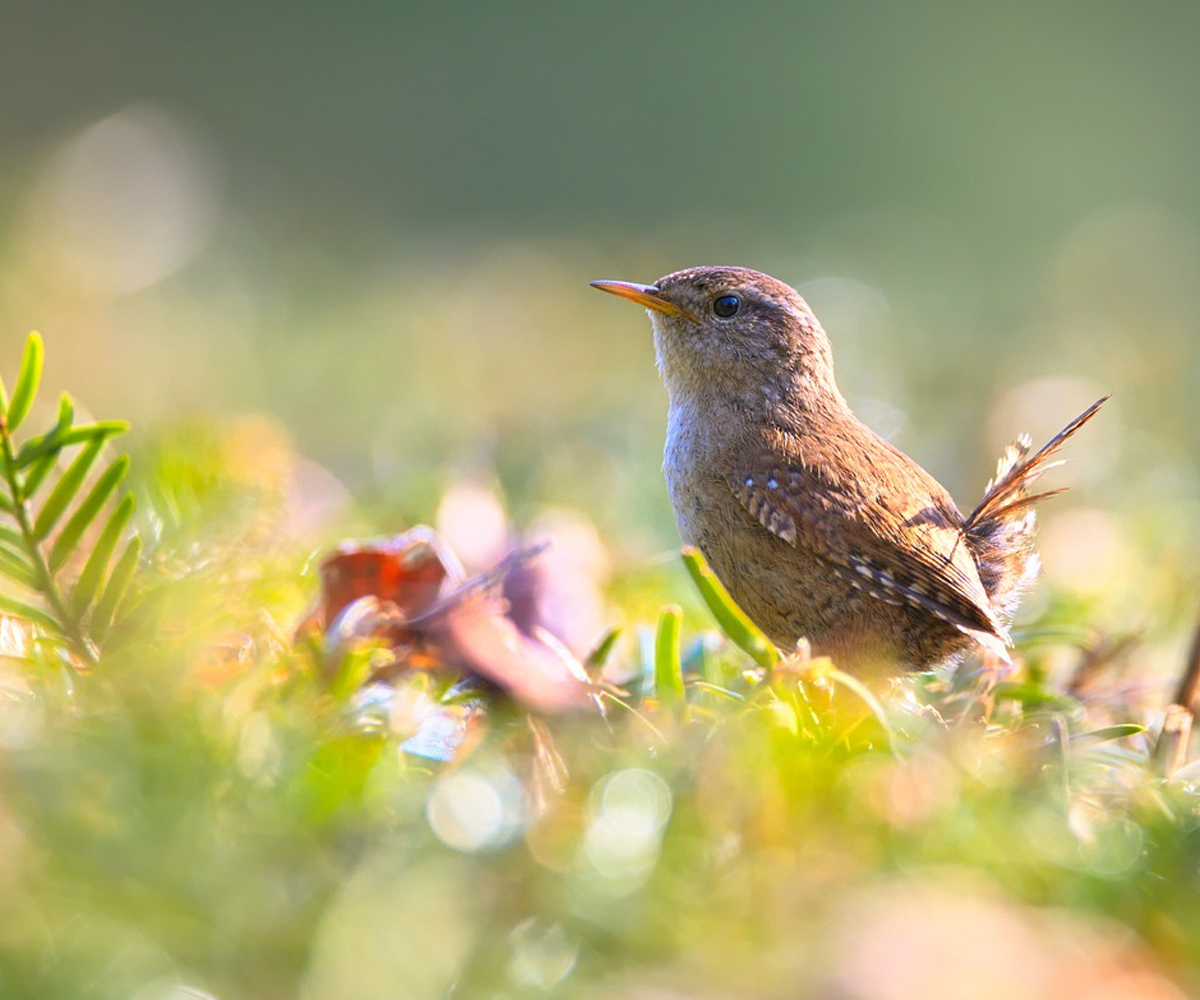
<point x="643" y="295"/>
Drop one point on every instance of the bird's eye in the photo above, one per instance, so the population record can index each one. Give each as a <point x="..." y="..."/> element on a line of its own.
<point x="726" y="306"/>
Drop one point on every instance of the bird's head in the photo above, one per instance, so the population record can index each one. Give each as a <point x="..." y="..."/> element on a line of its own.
<point x="731" y="329"/>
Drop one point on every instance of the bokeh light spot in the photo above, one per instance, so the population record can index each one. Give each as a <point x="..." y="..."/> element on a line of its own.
<point x="126" y="202"/>
<point x="629" y="810"/>
<point x="475" y="810"/>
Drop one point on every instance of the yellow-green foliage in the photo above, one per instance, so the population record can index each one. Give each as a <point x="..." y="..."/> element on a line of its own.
<point x="202" y="810"/>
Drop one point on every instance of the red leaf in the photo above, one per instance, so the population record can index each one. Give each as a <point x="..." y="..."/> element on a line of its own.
<point x="408" y="570"/>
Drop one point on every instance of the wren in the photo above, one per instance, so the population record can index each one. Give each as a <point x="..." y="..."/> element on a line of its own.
<point x="818" y="527"/>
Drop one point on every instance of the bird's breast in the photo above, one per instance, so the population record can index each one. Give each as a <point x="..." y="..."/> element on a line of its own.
<point x="696" y="478"/>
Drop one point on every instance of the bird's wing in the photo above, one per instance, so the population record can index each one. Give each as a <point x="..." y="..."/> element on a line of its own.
<point x="916" y="556"/>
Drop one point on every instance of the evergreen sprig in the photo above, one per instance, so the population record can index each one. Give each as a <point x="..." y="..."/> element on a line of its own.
<point x="48" y="574"/>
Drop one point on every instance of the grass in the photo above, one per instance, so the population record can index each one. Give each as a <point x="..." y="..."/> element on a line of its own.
<point x="212" y="807"/>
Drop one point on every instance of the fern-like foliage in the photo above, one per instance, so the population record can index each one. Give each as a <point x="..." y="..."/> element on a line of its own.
<point x="60" y="524"/>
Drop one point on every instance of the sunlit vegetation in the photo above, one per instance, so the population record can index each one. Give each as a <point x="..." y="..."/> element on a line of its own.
<point x="231" y="765"/>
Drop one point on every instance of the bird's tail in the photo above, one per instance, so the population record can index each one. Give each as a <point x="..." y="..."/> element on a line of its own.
<point x="1000" y="530"/>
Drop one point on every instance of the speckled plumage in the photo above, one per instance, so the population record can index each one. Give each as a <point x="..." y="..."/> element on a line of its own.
<point x="819" y="528"/>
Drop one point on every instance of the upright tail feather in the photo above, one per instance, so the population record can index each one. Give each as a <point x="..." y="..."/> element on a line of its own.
<point x="1000" y="530"/>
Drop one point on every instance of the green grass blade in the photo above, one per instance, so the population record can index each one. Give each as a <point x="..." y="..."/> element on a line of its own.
<point x="28" y="379"/>
<point x="114" y="590"/>
<point x="37" y="473"/>
<point x="93" y="570"/>
<point x="39" y="455"/>
<point x="868" y="699"/>
<point x="57" y="439"/>
<point x="16" y="567"/>
<point x="600" y="653"/>
<point x="65" y="489"/>
<point x="36" y="447"/>
<point x="47" y="442"/>
<point x="66" y="411"/>
<point x="18" y="551"/>
<point x="86" y="513"/>
<point x="668" y="663"/>
<point x="732" y="619"/>
<point x="12" y="537"/>
<point x="19" y="609"/>
<point x="1103" y="735"/>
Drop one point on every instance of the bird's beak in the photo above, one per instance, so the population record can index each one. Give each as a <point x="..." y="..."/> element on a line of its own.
<point x="643" y="295"/>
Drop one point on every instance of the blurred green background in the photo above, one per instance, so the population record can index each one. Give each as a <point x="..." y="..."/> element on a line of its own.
<point x="340" y="253"/>
<point x="374" y="223"/>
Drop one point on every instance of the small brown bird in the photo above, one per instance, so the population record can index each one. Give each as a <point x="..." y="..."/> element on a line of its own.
<point x="819" y="528"/>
